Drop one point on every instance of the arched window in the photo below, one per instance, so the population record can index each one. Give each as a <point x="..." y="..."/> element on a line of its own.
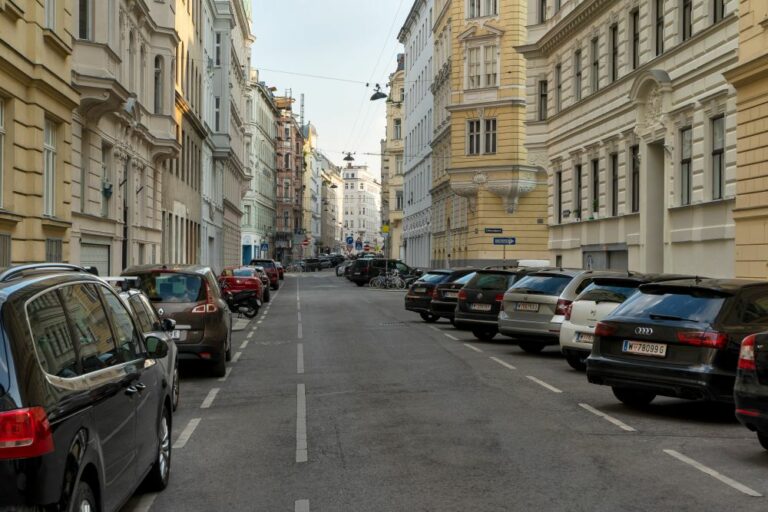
<point x="159" y="70"/>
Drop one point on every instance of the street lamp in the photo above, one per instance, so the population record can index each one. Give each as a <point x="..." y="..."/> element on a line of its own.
<point x="378" y="94"/>
<point x="349" y="157"/>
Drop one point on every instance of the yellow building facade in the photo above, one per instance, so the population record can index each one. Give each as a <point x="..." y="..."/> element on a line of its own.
<point x="36" y="104"/>
<point x="478" y="148"/>
<point x="392" y="165"/>
<point x="750" y="78"/>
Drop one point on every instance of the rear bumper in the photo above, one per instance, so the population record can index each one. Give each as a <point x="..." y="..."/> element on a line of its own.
<point x="568" y="341"/>
<point x="443" y="309"/>
<point x="687" y="382"/>
<point x="546" y="331"/>
<point x="418" y="304"/>
<point x="751" y="403"/>
<point x="475" y="319"/>
<point x="197" y="352"/>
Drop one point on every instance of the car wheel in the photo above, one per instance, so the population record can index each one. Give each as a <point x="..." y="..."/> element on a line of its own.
<point x="267" y="295"/>
<point x="484" y="334"/>
<point x="429" y="317"/>
<point x="83" y="499"/>
<point x="453" y="321"/>
<point x="576" y="361"/>
<point x="158" y="476"/>
<point x="276" y="286"/>
<point x="358" y="283"/>
<point x="531" y="347"/>
<point x="228" y="353"/>
<point x="176" y="388"/>
<point x="633" y="397"/>
<point x="763" y="438"/>
<point x="219" y="368"/>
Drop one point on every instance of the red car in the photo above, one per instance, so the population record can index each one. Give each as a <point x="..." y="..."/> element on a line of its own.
<point x="271" y="269"/>
<point x="235" y="279"/>
<point x="280" y="270"/>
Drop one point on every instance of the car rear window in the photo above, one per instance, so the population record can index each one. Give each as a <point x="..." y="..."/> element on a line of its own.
<point x="243" y="272"/>
<point x="618" y="291"/>
<point x="172" y="287"/>
<point x="264" y="263"/>
<point x="490" y="281"/>
<point x="433" y="278"/>
<point x="467" y="278"/>
<point x="5" y="373"/>
<point x="655" y="303"/>
<point x="542" y="284"/>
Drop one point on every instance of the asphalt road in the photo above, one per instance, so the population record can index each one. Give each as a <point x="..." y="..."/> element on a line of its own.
<point x="339" y="400"/>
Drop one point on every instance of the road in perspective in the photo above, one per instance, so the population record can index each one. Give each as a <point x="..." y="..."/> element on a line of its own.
<point x="337" y="399"/>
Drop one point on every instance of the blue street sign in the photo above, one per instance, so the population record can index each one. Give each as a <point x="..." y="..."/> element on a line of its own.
<point x="359" y="246"/>
<point x="504" y="240"/>
<point x="350" y="240"/>
<point x="264" y="247"/>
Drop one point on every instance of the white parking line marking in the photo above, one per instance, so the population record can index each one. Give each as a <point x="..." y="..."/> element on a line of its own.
<point x="245" y="344"/>
<point x="544" y="384"/>
<point x="301" y="334"/>
<point x="434" y="328"/>
<point x="210" y="398"/>
<point x="236" y="357"/>
<point x="226" y="375"/>
<point x="607" y="417"/>
<point x="503" y="363"/>
<point x="301" y="506"/>
<point x="454" y="338"/>
<point x="711" y="472"/>
<point x="301" y="424"/>
<point x="144" y="503"/>
<point x="472" y="347"/>
<point x="300" y="358"/>
<point x="181" y="442"/>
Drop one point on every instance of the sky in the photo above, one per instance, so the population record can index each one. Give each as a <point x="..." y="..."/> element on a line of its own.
<point x="352" y="40"/>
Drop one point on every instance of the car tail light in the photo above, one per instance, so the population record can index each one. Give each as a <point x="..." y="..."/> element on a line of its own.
<point x="499" y="297"/>
<point x="752" y="413"/>
<point x="747" y="354"/>
<point x="25" y="433"/>
<point x="209" y="306"/>
<point x="568" y="311"/>
<point x="603" y="329"/>
<point x="462" y="295"/>
<point x="709" y="339"/>
<point x="563" y="306"/>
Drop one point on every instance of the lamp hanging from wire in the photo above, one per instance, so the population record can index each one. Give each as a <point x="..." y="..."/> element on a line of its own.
<point x="378" y="94"/>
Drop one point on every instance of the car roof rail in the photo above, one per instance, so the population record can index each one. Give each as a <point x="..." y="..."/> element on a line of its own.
<point x="21" y="269"/>
<point x="126" y="282"/>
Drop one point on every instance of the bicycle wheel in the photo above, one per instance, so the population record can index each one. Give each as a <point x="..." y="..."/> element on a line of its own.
<point x="400" y="283"/>
<point x="375" y="282"/>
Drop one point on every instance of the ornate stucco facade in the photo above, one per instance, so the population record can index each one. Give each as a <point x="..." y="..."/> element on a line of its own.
<point x="392" y="165"/>
<point x="290" y="169"/>
<point x="635" y="125"/>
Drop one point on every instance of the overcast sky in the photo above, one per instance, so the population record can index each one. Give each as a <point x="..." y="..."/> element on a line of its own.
<point x="343" y="39"/>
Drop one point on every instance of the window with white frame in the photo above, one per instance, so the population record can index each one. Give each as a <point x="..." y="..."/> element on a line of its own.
<point x="217" y="49"/>
<point x="489" y="65"/>
<point x="614" y="32"/>
<point x="595" y="186"/>
<point x="559" y="196"/>
<point x="490" y="136"/>
<point x="686" y="153"/>
<point x="634" y="153"/>
<point x="159" y="88"/>
<point x="217" y="113"/>
<point x="49" y="168"/>
<point x="473" y="68"/>
<point x="718" y="157"/>
<point x="85" y="20"/>
<point x="473" y="137"/>
<point x="398" y="129"/>
<point x="686" y="19"/>
<point x="577" y="75"/>
<point x="577" y="182"/>
<point x="718" y="10"/>
<point x="595" y="46"/>
<point x="2" y="150"/>
<point x="479" y="8"/>
<point x="50" y="14"/>
<point x="558" y="87"/>
<point x="542" y="11"/>
<point x="659" y="26"/>
<point x="634" y="27"/>
<point x="614" y="158"/>
<point x="542" y="100"/>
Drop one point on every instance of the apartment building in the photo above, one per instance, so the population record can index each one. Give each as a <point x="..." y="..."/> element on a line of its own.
<point x="290" y="169"/>
<point x="392" y="164"/>
<point x="636" y="127"/>
<point x="361" y="206"/>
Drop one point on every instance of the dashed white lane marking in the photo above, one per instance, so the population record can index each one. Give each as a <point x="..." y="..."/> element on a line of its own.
<point x="245" y="343"/>
<point x="434" y="328"/>
<point x="144" y="504"/>
<point x="300" y="358"/>
<point x="181" y="442"/>
<point x="226" y="375"/>
<point x="301" y="424"/>
<point x="472" y="347"/>
<point x="298" y="305"/>
<point x="503" y="363"/>
<point x="607" y="417"/>
<point x="300" y="333"/>
<point x="236" y="357"/>
<point x="544" y="384"/>
<point x="454" y="338"/>
<point x="259" y="321"/>
<point x="250" y="335"/>
<point x="711" y="472"/>
<point x="210" y="398"/>
<point x="299" y="313"/>
<point x="301" y="506"/>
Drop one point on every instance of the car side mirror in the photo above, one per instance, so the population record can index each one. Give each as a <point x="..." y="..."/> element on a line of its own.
<point x="156" y="348"/>
<point x="168" y="324"/>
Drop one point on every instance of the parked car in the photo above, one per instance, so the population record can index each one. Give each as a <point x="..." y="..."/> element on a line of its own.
<point x="751" y="389"/>
<point x="419" y="295"/>
<point x="677" y="338"/>
<point x="341" y="267"/>
<point x="85" y="408"/>
<point x="310" y="264"/>
<point x="236" y="279"/>
<point x="190" y="295"/>
<point x="267" y="294"/>
<point x="280" y="270"/>
<point x="479" y="301"/>
<point x="325" y="262"/>
<point x="534" y="307"/>
<point x="446" y="294"/>
<point x="365" y="269"/>
<point x="271" y="269"/>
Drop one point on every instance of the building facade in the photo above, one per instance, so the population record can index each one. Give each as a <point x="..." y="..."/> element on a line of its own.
<point x="312" y="193"/>
<point x="362" y="207"/>
<point x="290" y="169"/>
<point x="418" y="104"/>
<point x="331" y="213"/>
<point x="392" y="165"/>
<point x="36" y="135"/>
<point x="750" y="78"/>
<point x="636" y="127"/>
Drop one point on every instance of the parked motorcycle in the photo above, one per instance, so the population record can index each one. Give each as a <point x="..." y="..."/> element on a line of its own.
<point x="244" y="302"/>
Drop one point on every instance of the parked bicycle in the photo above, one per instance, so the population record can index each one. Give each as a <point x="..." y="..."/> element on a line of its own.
<point x="388" y="280"/>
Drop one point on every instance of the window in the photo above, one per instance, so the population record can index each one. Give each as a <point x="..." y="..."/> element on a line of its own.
<point x="687" y="19"/>
<point x="217" y="50"/>
<point x="559" y="196"/>
<point x="90" y="328"/>
<point x="542" y="11"/>
<point x="577" y="191"/>
<point x="473" y="68"/>
<point x="614" y="52"/>
<point x="399" y="165"/>
<point x="614" y="184"/>
<point x="159" y="89"/>
<point x="127" y="339"/>
<point x="595" y="65"/>
<point x="145" y="314"/>
<point x="635" y="175"/>
<point x="49" y="168"/>
<point x="473" y="138"/>
<point x="659" y="11"/>
<point x="491" y="7"/>
<point x="489" y="65"/>
<point x="595" y="193"/>
<point x="217" y="114"/>
<point x="478" y="8"/>
<point x="542" y="100"/>
<point x="634" y="22"/>
<point x="52" y="336"/>
<point x="398" y="131"/>
<point x="2" y="150"/>
<point x="718" y="10"/>
<point x="474" y="9"/>
<point x="490" y="136"/>
<point x="399" y="200"/>
<point x="718" y="160"/>
<point x="577" y="75"/>
<point x="557" y="5"/>
<point x="558" y="88"/>
<point x="84" y="19"/>
<point x="50" y="14"/>
<point x="686" y="149"/>
<point x="287" y="161"/>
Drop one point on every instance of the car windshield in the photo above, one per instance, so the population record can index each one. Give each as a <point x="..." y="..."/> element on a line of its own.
<point x="264" y="263"/>
<point x="606" y="292"/>
<point x="172" y="287"/>
<point x="243" y="272"/>
<point x="698" y="307"/>
<point x="433" y="278"/>
<point x="542" y="284"/>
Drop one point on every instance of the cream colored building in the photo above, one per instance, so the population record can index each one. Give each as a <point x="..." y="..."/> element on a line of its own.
<point x="750" y="77"/>
<point x="633" y="121"/>
<point x="392" y="165"/>
<point x="479" y="80"/>
<point x="36" y="103"/>
<point x="124" y="131"/>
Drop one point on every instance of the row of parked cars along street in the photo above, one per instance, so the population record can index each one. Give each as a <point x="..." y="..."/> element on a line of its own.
<point x="89" y="373"/>
<point x="644" y="335"/>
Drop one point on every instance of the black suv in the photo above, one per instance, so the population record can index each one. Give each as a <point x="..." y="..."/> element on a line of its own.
<point x="365" y="269"/>
<point x="677" y="338"/>
<point x="85" y="408"/>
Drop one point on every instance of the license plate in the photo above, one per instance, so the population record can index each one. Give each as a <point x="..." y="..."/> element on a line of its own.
<point x="642" y="348"/>
<point x="526" y="306"/>
<point x="480" y="307"/>
<point x="451" y="295"/>
<point x="584" y="337"/>
<point x="176" y="335"/>
<point x="419" y="290"/>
